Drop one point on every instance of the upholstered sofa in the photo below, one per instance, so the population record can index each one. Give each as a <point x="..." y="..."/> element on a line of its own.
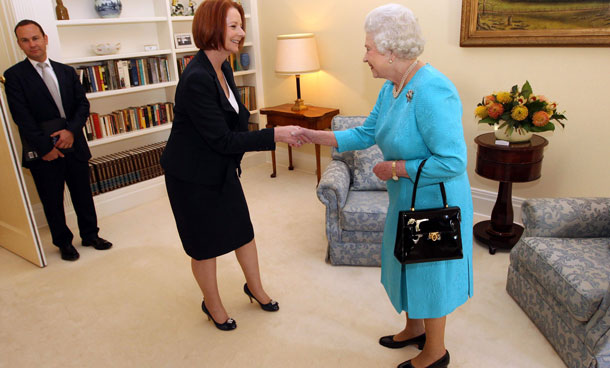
<point x="559" y="274"/>
<point x="356" y="202"/>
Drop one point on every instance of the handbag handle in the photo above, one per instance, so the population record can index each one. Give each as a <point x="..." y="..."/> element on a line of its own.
<point x="421" y="166"/>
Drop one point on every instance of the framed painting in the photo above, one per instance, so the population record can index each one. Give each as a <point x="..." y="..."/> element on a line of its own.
<point x="535" y="23"/>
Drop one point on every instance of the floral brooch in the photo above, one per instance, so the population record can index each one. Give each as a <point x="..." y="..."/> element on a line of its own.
<point x="409" y="95"/>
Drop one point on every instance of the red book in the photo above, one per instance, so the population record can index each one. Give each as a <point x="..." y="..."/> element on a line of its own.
<point x="95" y="117"/>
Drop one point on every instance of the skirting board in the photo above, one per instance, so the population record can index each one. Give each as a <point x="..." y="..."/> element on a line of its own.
<point x="125" y="198"/>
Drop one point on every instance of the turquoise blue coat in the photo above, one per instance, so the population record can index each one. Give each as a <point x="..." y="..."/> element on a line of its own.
<point x="426" y="126"/>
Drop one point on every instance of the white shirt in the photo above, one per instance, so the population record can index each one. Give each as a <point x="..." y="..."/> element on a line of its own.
<point x="49" y="69"/>
<point x="233" y="101"/>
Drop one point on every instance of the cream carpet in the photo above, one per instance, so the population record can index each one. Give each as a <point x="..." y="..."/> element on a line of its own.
<point x="137" y="304"/>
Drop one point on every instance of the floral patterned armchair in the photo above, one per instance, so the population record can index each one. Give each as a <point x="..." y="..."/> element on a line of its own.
<point x="356" y="202"/>
<point x="559" y="274"/>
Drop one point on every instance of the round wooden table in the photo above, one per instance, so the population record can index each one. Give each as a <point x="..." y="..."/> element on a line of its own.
<point x="515" y="163"/>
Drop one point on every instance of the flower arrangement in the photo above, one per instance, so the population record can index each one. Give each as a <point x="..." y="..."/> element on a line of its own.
<point x="519" y="110"/>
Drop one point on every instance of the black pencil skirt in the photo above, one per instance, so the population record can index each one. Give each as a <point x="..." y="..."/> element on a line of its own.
<point x="211" y="221"/>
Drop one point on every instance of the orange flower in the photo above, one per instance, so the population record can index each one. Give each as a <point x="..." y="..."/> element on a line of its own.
<point x="489" y="99"/>
<point x="540" y="118"/>
<point x="495" y="110"/>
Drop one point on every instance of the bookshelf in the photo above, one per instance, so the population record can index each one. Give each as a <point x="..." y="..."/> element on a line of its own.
<point x="142" y="22"/>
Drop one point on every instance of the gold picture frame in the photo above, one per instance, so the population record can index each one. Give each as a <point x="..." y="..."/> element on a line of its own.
<point x="523" y="23"/>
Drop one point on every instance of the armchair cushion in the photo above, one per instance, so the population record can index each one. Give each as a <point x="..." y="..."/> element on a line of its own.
<point x="364" y="162"/>
<point x="364" y="211"/>
<point x="577" y="280"/>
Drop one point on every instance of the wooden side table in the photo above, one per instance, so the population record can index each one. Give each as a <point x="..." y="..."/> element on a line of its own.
<point x="517" y="162"/>
<point x="314" y="117"/>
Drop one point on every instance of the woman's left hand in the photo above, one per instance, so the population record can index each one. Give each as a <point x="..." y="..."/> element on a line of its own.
<point x="383" y="170"/>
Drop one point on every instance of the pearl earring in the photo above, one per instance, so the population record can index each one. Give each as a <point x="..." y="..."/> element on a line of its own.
<point x="391" y="61"/>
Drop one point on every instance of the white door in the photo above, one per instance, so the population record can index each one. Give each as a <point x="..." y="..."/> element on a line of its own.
<point x="18" y="232"/>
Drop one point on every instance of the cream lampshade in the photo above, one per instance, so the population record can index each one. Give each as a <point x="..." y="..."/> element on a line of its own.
<point x="297" y="54"/>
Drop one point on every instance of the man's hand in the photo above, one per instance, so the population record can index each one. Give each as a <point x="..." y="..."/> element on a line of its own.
<point x="53" y="154"/>
<point x="66" y="138"/>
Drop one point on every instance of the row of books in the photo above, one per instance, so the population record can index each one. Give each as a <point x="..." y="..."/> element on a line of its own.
<point x="120" y="169"/>
<point x="183" y="62"/>
<point x="118" y="74"/>
<point x="234" y="61"/>
<point x="128" y="120"/>
<point x="247" y="95"/>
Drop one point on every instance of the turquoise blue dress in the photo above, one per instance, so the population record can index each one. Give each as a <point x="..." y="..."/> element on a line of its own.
<point x="426" y="126"/>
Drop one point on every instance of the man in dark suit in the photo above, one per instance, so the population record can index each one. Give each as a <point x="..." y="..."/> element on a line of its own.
<point x="38" y="91"/>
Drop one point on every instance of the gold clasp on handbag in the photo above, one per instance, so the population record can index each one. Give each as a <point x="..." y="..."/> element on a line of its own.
<point x="435" y="236"/>
<point x="416" y="222"/>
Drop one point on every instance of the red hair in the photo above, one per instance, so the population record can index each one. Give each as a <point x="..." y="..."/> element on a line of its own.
<point x="210" y="23"/>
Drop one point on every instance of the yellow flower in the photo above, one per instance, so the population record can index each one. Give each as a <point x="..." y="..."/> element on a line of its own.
<point x="504" y="97"/>
<point x="519" y="113"/>
<point x="481" y="112"/>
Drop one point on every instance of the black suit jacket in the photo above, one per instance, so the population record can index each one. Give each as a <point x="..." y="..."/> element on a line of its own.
<point x="208" y="138"/>
<point x="31" y="103"/>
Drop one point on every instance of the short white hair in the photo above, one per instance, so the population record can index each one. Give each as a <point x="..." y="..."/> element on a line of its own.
<point x="394" y="28"/>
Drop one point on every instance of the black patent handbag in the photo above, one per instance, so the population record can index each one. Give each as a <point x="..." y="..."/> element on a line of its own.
<point x="428" y="235"/>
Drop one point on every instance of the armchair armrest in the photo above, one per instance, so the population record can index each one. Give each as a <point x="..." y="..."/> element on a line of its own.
<point x="566" y="217"/>
<point x="334" y="185"/>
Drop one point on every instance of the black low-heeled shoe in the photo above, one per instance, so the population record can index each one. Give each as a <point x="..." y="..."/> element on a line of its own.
<point x="272" y="306"/>
<point x="441" y="363"/>
<point x="227" y="326"/>
<point x="389" y="342"/>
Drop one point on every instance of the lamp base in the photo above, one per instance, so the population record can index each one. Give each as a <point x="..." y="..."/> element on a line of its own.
<point x="299" y="105"/>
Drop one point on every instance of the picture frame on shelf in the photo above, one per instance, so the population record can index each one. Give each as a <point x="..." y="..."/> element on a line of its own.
<point x="183" y="40"/>
<point x="488" y="23"/>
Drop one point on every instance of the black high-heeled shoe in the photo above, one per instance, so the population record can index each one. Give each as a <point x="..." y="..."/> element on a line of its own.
<point x="227" y="326"/>
<point x="443" y="362"/>
<point x="389" y="342"/>
<point x="272" y="306"/>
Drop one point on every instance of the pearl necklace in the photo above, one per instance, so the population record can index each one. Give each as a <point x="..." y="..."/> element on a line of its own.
<point x="396" y="91"/>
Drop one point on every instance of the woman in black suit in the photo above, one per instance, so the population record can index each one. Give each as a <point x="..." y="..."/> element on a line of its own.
<point x="203" y="154"/>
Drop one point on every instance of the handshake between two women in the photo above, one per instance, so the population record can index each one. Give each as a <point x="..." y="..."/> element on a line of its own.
<point x="296" y="136"/>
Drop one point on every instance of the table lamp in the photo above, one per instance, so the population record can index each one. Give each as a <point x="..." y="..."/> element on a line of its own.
<point x="297" y="54"/>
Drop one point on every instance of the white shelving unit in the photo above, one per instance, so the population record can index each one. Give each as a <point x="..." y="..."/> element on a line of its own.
<point x="142" y="22"/>
<point x="94" y="22"/>
<point x="122" y="91"/>
<point x="89" y="59"/>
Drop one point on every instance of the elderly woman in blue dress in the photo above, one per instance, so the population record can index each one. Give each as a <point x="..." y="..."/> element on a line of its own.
<point x="417" y="116"/>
